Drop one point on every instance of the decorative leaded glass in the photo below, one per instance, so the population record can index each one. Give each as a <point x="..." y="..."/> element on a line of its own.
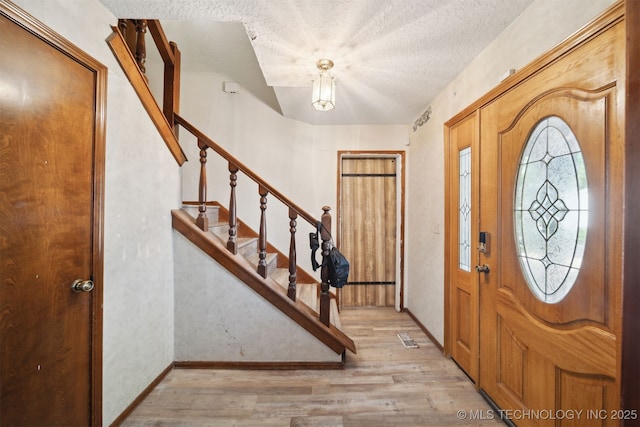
<point x="464" y="210"/>
<point x="551" y="210"/>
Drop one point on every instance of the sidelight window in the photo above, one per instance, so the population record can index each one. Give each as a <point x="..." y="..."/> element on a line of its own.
<point x="464" y="210"/>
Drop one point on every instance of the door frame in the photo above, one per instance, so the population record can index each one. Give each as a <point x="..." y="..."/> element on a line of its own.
<point x="631" y="268"/>
<point x="629" y="107"/>
<point x="399" y="156"/>
<point x="41" y="31"/>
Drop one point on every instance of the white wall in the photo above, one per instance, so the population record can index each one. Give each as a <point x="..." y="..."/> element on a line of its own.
<point x="298" y="159"/>
<point x="142" y="186"/>
<point x="539" y="28"/>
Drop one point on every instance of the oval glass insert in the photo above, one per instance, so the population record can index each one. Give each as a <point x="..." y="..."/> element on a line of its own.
<point x="551" y="210"/>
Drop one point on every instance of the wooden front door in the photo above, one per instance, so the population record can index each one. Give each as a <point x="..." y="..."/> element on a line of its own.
<point x="462" y="244"/>
<point x="368" y="230"/>
<point x="551" y="179"/>
<point x="50" y="227"/>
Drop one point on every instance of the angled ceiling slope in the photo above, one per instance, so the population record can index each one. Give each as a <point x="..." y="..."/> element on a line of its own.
<point x="392" y="57"/>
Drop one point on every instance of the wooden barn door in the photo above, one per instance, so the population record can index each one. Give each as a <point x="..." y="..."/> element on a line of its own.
<point x="368" y="228"/>
<point x="51" y="143"/>
<point x="551" y="179"/>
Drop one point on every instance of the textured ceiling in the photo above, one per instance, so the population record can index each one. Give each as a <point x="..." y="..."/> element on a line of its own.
<point x="392" y="57"/>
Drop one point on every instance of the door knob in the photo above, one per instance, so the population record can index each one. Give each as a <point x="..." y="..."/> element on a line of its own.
<point x="484" y="268"/>
<point x="82" y="285"/>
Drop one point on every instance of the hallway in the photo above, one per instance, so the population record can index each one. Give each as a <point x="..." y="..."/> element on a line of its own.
<point x="385" y="384"/>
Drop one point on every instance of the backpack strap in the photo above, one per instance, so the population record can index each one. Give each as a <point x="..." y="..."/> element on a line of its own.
<point x="314" y="244"/>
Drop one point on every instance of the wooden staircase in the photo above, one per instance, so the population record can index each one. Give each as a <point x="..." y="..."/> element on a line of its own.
<point x="307" y="289"/>
<point x="216" y="230"/>
<point x="306" y="306"/>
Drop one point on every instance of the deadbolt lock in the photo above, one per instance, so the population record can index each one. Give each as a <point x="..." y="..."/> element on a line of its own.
<point x="484" y="268"/>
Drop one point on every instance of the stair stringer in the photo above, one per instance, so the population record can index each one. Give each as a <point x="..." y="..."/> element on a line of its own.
<point x="215" y="316"/>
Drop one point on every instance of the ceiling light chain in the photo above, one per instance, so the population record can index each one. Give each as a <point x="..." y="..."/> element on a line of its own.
<point x="323" y="97"/>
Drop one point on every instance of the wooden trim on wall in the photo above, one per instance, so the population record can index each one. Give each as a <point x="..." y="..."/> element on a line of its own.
<point x="98" y="239"/>
<point x="631" y="267"/>
<point x="140" y="398"/>
<point x="401" y="155"/>
<point x="426" y="331"/>
<point x="281" y="366"/>
<point x="599" y="25"/>
<point x="446" y="349"/>
<point x="120" y="50"/>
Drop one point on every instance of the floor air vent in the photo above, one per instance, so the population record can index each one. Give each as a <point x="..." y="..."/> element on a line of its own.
<point x="407" y="341"/>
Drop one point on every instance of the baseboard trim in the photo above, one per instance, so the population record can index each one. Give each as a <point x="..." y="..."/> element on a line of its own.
<point x="258" y="365"/>
<point x="425" y="330"/>
<point x="138" y="400"/>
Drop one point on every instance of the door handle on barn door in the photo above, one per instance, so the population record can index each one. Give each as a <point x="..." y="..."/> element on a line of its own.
<point x="82" y="285"/>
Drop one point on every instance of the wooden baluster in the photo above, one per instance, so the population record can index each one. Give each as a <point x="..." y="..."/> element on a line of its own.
<point x="325" y="234"/>
<point x="171" y="93"/>
<point x="122" y="26"/>
<point x="128" y="30"/>
<point x="202" y="221"/>
<point x="291" y="290"/>
<point x="232" y="243"/>
<point x="141" y="48"/>
<point x="262" y="240"/>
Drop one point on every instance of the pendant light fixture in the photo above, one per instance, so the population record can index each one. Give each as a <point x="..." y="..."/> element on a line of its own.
<point x="323" y="97"/>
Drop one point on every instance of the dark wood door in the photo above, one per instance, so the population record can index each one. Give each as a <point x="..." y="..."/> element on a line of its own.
<point x="50" y="198"/>
<point x="551" y="177"/>
<point x="368" y="216"/>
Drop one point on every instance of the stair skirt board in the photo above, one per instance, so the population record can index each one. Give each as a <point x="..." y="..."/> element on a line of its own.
<point x="237" y="336"/>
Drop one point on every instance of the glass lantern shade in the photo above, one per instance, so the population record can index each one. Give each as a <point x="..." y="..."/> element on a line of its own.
<point x="323" y="97"/>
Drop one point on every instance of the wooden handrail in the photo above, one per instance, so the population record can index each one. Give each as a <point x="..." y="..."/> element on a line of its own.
<point x="171" y="58"/>
<point x="161" y="41"/>
<point x="245" y="169"/>
<point x="128" y="63"/>
<point x="264" y="189"/>
<point x="133" y="31"/>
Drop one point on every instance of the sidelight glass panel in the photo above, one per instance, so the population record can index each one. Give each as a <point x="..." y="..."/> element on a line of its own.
<point x="464" y="210"/>
<point x="551" y="210"/>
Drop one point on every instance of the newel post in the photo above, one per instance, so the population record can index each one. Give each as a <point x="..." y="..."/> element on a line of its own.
<point x="325" y="235"/>
<point x="202" y="221"/>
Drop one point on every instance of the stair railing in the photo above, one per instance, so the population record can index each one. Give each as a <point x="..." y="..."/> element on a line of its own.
<point x="133" y="32"/>
<point x="264" y="190"/>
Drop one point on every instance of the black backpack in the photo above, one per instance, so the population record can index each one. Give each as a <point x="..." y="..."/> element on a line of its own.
<point x="338" y="265"/>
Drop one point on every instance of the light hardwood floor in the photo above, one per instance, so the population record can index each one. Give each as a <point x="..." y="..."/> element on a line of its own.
<point x="385" y="384"/>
